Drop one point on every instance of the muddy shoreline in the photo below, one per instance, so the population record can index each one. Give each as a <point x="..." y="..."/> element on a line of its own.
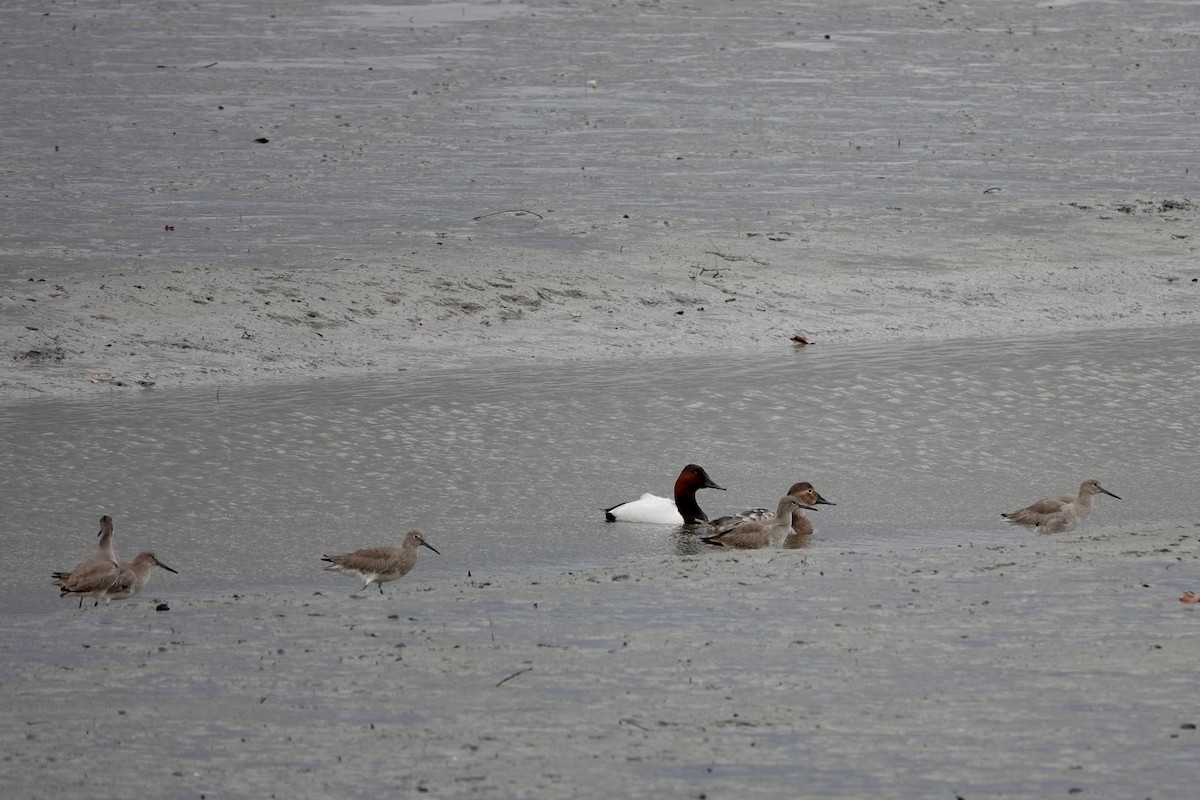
<point x="231" y="193"/>
<point x="1042" y="667"/>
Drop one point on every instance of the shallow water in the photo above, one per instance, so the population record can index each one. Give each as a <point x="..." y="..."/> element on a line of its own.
<point x="918" y="443"/>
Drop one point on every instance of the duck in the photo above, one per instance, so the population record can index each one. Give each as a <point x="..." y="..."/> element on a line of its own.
<point x="96" y="573"/>
<point x="682" y="510"/>
<point x="378" y="565"/>
<point x="801" y="524"/>
<point x="1059" y="514"/>
<point x="761" y="533"/>
<point x="133" y="576"/>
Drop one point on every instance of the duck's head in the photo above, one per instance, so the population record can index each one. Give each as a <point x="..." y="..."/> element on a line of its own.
<point x="805" y="493"/>
<point x="694" y="477"/>
<point x="689" y="481"/>
<point x="789" y="505"/>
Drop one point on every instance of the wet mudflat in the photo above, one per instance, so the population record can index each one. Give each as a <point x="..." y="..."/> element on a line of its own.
<point x="545" y="255"/>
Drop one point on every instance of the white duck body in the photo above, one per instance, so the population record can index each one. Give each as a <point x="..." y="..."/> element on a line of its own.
<point x="649" y="508"/>
<point x="655" y="510"/>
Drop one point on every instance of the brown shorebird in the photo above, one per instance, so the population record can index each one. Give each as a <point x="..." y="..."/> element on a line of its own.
<point x="378" y="565"/>
<point x="1059" y="514"/>
<point x="761" y="533"/>
<point x="133" y="575"/>
<point x="96" y="573"/>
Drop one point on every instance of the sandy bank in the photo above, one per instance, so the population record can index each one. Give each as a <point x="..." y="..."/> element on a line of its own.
<point x="623" y="288"/>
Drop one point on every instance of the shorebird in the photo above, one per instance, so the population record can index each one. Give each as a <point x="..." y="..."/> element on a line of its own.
<point x="1059" y="514"/>
<point x="96" y="573"/>
<point x="682" y="509"/>
<point x="801" y="524"/>
<point x="378" y="565"/>
<point x="761" y="533"/>
<point x="133" y="575"/>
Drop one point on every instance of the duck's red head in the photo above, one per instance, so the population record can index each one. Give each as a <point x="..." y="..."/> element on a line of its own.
<point x="687" y="484"/>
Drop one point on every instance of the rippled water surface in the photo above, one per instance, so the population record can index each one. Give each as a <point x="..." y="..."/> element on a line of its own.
<point x="918" y="444"/>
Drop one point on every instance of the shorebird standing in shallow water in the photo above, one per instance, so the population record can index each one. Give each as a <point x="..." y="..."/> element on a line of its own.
<point x="378" y="565"/>
<point x="133" y="575"/>
<point x="96" y="573"/>
<point x="1059" y="514"/>
<point x="761" y="533"/>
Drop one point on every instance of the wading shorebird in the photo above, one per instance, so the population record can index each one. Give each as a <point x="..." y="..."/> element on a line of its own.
<point x="1059" y="514"/>
<point x="680" y="510"/>
<point x="133" y="576"/>
<point x="96" y="573"/>
<point x="761" y="533"/>
<point x="378" y="565"/>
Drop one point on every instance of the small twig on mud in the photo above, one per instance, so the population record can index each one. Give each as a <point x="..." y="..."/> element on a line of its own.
<point x="515" y="674"/>
<point x="628" y="721"/>
<point x="700" y="272"/>
<point x="509" y="211"/>
<point x="725" y="256"/>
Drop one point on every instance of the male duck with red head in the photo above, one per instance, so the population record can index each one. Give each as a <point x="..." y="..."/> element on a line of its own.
<point x="682" y="510"/>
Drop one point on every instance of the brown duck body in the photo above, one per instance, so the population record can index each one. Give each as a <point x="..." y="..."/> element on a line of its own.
<point x="760" y="533"/>
<point x="802" y="526"/>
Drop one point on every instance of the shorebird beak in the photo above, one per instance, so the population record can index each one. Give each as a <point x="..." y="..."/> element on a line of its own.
<point x="811" y="508"/>
<point x="431" y="547"/>
<point x="1107" y="492"/>
<point x="164" y="566"/>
